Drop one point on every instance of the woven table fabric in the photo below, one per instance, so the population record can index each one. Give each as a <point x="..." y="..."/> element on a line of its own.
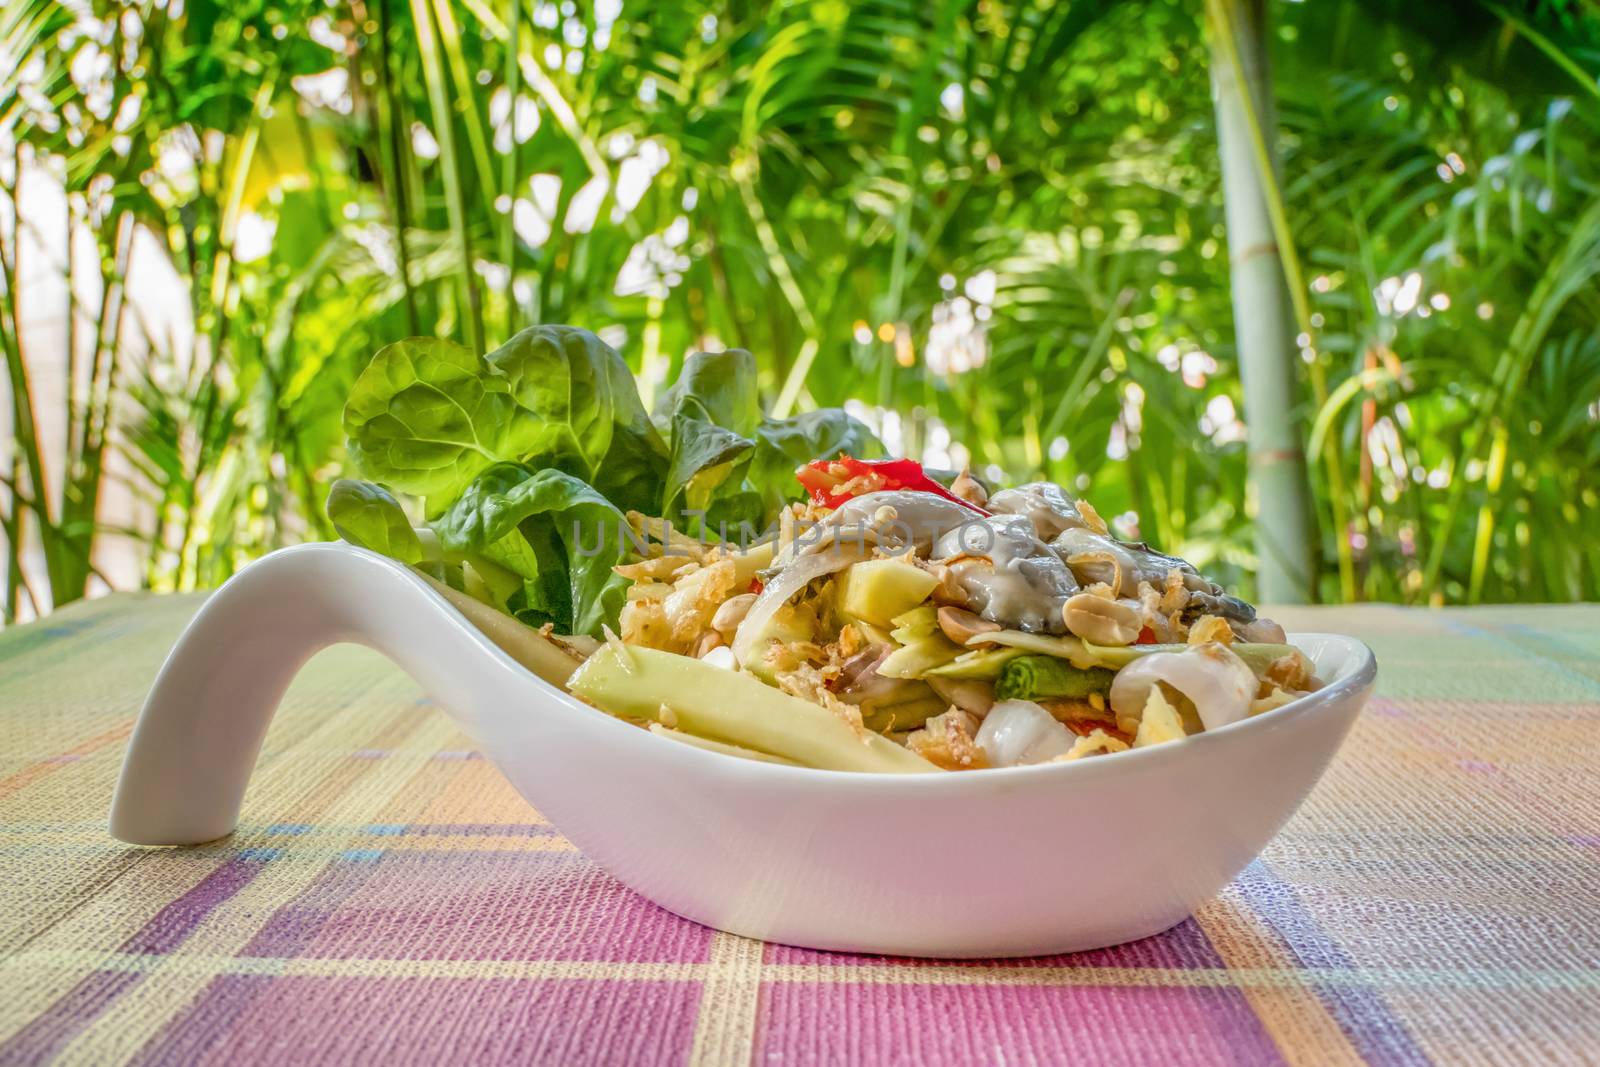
<point x="389" y="899"/>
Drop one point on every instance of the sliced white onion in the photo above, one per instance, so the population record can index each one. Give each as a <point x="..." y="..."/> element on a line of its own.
<point x="1016" y="732"/>
<point x="783" y="588"/>
<point x="1215" y="680"/>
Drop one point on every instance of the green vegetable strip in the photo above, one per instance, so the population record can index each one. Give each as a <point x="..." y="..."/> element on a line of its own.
<point x="734" y="708"/>
<point x="1046" y="677"/>
<point x="1257" y="656"/>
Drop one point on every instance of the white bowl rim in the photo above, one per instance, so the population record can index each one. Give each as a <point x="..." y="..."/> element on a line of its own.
<point x="1356" y="677"/>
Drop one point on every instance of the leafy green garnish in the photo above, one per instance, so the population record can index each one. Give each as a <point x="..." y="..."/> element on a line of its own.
<point x="559" y="535"/>
<point x="704" y="457"/>
<point x="528" y="458"/>
<point x="708" y="412"/>
<point x="367" y="515"/>
<point x="715" y="387"/>
<point x="426" y="416"/>
<point x="590" y="420"/>
<point x="730" y="461"/>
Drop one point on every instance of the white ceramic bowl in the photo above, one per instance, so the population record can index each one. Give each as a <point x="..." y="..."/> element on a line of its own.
<point x="1015" y="862"/>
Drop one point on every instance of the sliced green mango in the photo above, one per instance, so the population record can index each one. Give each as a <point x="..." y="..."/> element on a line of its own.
<point x="920" y="621"/>
<point x="733" y="707"/>
<point x="915" y="658"/>
<point x="981" y="664"/>
<point x="1257" y="656"/>
<point x="876" y="590"/>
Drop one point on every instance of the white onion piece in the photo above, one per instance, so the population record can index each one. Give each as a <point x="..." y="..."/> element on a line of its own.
<point x="783" y="588"/>
<point x="1016" y="732"/>
<point x="1215" y="680"/>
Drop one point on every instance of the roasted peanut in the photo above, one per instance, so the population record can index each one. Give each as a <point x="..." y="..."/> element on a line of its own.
<point x="1101" y="621"/>
<point x="732" y="613"/>
<point x="961" y="625"/>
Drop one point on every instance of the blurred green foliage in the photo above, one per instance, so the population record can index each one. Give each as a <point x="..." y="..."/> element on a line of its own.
<point x="995" y="229"/>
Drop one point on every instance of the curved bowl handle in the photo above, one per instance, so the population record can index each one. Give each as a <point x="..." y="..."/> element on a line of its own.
<point x="201" y="728"/>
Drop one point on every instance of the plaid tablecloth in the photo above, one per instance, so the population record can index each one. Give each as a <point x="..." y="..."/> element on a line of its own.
<point x="388" y="898"/>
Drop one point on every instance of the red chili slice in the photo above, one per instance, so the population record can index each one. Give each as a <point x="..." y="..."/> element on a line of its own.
<point x="1147" y="636"/>
<point x="822" y="478"/>
<point x="816" y="481"/>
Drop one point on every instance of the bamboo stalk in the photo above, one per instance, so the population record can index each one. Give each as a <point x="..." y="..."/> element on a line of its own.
<point x="24" y="425"/>
<point x="795" y="381"/>
<point x="74" y="363"/>
<point x="80" y="496"/>
<point x="1484" y="539"/>
<point x="1262" y="316"/>
<point x="389" y="132"/>
<point x="650" y="361"/>
<point x="208" y="390"/>
<point x="508" y="175"/>
<point x="465" y="97"/>
<point x="449" y="166"/>
<point x="11" y="525"/>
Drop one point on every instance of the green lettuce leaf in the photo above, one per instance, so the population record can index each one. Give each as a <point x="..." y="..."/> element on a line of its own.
<point x="708" y="412"/>
<point x="427" y="416"/>
<point x="584" y="400"/>
<point x="634" y="469"/>
<point x="726" y="459"/>
<point x="367" y="515"/>
<point x="714" y="387"/>
<point x="704" y="457"/>
<point x="528" y="457"/>
<point x="558" y="534"/>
